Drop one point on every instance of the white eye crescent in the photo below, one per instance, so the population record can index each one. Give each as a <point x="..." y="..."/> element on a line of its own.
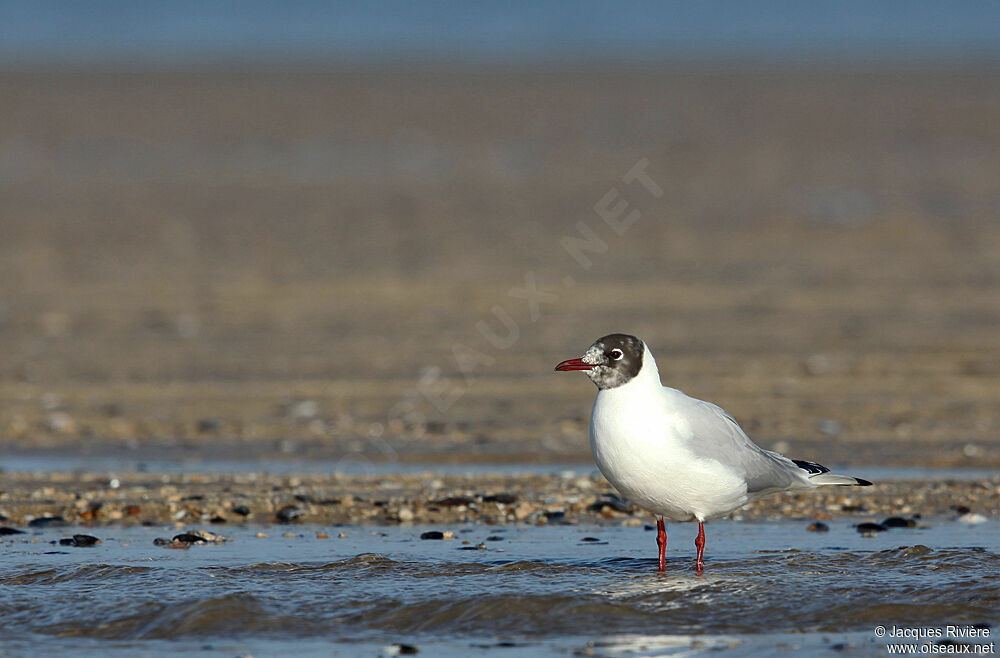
<point x="617" y="354"/>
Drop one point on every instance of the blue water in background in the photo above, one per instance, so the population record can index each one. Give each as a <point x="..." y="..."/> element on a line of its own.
<point x="194" y="32"/>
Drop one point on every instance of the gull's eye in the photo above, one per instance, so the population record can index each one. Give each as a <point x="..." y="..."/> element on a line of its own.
<point x="617" y="354"/>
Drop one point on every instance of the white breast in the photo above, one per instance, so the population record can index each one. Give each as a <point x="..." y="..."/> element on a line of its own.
<point x="638" y="441"/>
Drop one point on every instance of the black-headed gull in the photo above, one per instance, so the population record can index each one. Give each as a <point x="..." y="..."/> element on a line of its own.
<point x="678" y="457"/>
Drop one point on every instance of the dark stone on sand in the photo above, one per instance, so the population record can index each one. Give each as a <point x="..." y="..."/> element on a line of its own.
<point x="648" y="527"/>
<point x="432" y="534"/>
<point x="209" y="424"/>
<point x="5" y="530"/>
<point x="555" y="516"/>
<point x="870" y="528"/>
<point x="405" y="649"/>
<point x="481" y="546"/>
<point x="161" y="541"/>
<point x="494" y="538"/>
<point x="288" y="513"/>
<point x="614" y="502"/>
<point x="114" y="410"/>
<point x="242" y="510"/>
<point x="435" y="427"/>
<point x="503" y="498"/>
<point x="80" y="541"/>
<point x="899" y="522"/>
<point x="818" y="526"/>
<point x="193" y="497"/>
<point x="590" y="539"/>
<point x="217" y="519"/>
<point x="188" y="538"/>
<point x="455" y="501"/>
<point x="48" y="522"/>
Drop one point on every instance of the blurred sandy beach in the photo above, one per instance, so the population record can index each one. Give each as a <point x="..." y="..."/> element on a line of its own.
<point x="295" y="263"/>
<point x="282" y="288"/>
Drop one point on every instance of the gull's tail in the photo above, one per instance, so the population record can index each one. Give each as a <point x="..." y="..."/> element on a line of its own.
<point x="819" y="474"/>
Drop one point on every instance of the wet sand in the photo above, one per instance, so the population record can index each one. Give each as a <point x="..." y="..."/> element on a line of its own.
<point x="281" y="267"/>
<point x="296" y="264"/>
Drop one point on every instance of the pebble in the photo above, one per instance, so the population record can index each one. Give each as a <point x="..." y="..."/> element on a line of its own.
<point x="818" y="526"/>
<point x="432" y="534"/>
<point x="79" y="541"/>
<point x="870" y="529"/>
<point x="198" y="537"/>
<point x="341" y="535"/>
<point x="523" y="511"/>
<point x="899" y="522"/>
<point x="5" y="530"/>
<point x="503" y="498"/>
<point x="400" y="649"/>
<point x="322" y="535"/>
<point x="208" y="536"/>
<point x="613" y="502"/>
<point x="483" y="499"/>
<point x="454" y="501"/>
<point x="48" y="522"/>
<point x="210" y="424"/>
<point x="288" y="513"/>
<point x="260" y="535"/>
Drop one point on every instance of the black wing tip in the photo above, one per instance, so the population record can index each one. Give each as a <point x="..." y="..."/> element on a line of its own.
<point x="812" y="468"/>
<point x="863" y="483"/>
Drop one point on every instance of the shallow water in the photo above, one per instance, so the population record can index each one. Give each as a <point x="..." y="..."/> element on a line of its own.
<point x="769" y="588"/>
<point x="48" y="462"/>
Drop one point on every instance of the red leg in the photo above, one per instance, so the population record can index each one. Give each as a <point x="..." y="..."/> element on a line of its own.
<point x="699" y="543"/>
<point x="661" y="542"/>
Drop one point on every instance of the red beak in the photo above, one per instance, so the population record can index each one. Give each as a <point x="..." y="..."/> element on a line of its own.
<point x="574" y="364"/>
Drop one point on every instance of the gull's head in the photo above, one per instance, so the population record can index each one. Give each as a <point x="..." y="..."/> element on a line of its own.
<point x="611" y="361"/>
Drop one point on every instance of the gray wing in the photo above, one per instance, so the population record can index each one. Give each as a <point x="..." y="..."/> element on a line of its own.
<point x="717" y="436"/>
